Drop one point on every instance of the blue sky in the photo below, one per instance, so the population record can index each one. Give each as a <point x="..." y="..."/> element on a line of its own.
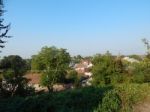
<point x="83" y="27"/>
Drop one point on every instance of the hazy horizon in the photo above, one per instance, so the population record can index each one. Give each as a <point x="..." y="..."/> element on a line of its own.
<point x="83" y="27"/>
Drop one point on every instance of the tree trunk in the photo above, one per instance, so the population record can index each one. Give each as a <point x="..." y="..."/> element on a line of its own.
<point x="14" y="90"/>
<point x="50" y="89"/>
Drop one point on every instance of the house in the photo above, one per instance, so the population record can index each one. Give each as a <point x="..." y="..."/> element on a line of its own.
<point x="84" y="68"/>
<point x="131" y="60"/>
<point x="34" y="81"/>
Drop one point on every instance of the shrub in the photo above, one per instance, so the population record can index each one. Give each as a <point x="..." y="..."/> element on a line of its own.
<point x="77" y="100"/>
<point x="110" y="103"/>
<point x="131" y="94"/>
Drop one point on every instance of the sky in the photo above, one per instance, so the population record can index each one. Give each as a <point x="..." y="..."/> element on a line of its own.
<point x="83" y="27"/>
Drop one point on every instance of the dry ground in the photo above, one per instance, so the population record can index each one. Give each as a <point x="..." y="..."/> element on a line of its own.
<point x="142" y="107"/>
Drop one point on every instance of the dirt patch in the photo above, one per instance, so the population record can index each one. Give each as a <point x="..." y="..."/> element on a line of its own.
<point x="34" y="78"/>
<point x="142" y="107"/>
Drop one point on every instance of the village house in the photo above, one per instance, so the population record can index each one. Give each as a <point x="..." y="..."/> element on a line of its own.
<point x="131" y="60"/>
<point x="34" y="81"/>
<point x="84" y="67"/>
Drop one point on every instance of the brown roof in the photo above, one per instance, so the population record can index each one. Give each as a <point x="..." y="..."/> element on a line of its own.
<point x="80" y="65"/>
<point x="34" y="78"/>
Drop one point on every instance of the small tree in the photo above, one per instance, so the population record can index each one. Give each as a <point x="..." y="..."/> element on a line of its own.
<point x="107" y="69"/>
<point x="103" y="69"/>
<point x="3" y="28"/>
<point x="53" y="63"/>
<point x="74" y="78"/>
<point x="13" y="69"/>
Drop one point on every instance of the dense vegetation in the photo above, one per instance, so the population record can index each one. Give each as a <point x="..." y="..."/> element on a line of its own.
<point x="116" y="85"/>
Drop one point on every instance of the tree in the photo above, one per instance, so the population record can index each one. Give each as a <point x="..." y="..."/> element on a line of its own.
<point x="13" y="70"/>
<point x="53" y="63"/>
<point x="137" y="57"/>
<point x="107" y="69"/>
<point x="77" y="59"/>
<point x="3" y="28"/>
<point x="146" y="42"/>
<point x="119" y="67"/>
<point x="74" y="78"/>
<point x="28" y="64"/>
<point x="103" y="69"/>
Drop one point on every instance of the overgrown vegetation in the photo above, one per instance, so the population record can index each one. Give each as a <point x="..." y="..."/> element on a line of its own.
<point x="78" y="100"/>
<point x="13" y="83"/>
<point x="117" y="84"/>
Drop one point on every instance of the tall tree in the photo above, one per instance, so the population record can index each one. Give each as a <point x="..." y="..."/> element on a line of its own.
<point x="3" y="28"/>
<point x="53" y="63"/>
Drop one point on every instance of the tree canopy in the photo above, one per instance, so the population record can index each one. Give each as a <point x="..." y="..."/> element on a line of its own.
<point x="53" y="63"/>
<point x="105" y="67"/>
<point x="3" y="28"/>
<point x="13" y="68"/>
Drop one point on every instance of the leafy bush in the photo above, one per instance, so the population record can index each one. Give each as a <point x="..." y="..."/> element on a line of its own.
<point x="120" y="98"/>
<point x="78" y="100"/>
<point x="13" y="69"/>
<point x="131" y="94"/>
<point x="110" y="103"/>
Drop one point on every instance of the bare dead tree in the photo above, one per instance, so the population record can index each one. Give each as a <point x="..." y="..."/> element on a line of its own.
<point x="147" y="44"/>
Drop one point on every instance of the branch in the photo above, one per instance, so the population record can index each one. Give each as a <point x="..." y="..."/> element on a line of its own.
<point x="2" y="46"/>
<point x="1" y="41"/>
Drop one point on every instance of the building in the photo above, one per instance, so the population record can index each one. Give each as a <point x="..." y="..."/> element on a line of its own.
<point x="131" y="60"/>
<point x="34" y="81"/>
<point x="84" y="67"/>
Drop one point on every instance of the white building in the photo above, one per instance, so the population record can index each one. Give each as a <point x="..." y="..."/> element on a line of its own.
<point x="131" y="60"/>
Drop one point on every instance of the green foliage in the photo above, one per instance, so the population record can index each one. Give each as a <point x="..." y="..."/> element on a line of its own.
<point x="77" y="100"/>
<point x="28" y="64"/>
<point x="105" y="68"/>
<point x="72" y="76"/>
<point x="131" y="94"/>
<point x="49" y="77"/>
<point x="13" y="67"/>
<point x="141" y="71"/>
<point x="110" y="103"/>
<point x="11" y="104"/>
<point x="53" y="63"/>
<point x="119" y="65"/>
<point x="129" y="81"/>
<point x="121" y="98"/>
<point x="76" y="59"/>
<point x="14" y="62"/>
